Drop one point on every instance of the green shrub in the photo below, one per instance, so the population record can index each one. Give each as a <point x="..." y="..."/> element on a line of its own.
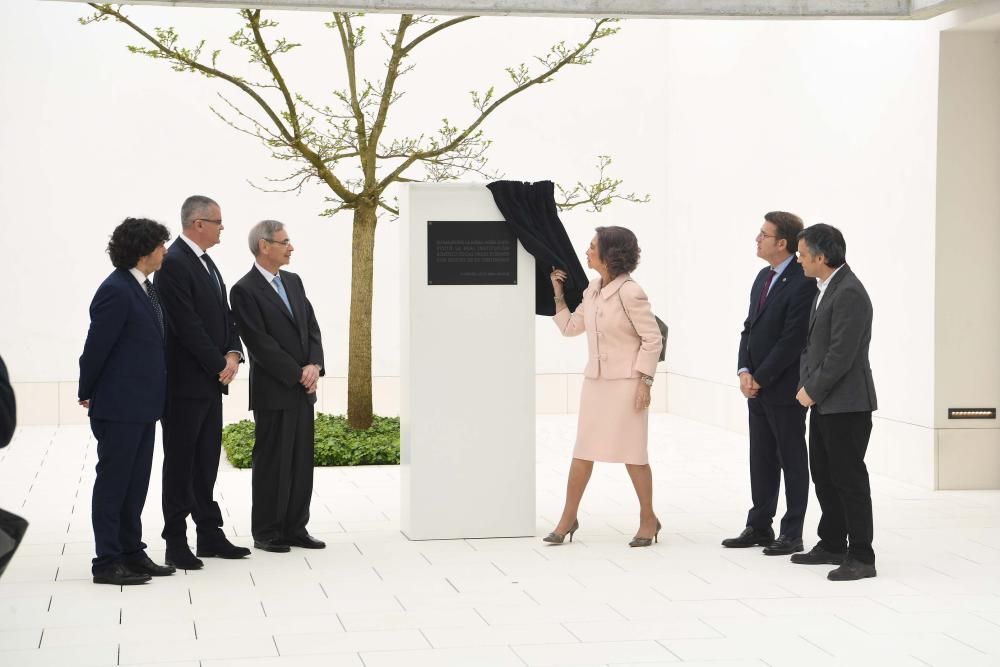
<point x="337" y="444"/>
<point x="237" y="440"/>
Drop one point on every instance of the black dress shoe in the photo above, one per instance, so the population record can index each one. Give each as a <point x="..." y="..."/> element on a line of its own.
<point x="306" y="541"/>
<point x="271" y="545"/>
<point x="220" y="547"/>
<point x="851" y="570"/>
<point x="117" y="574"/>
<point x="750" y="538"/>
<point x="818" y="556"/>
<point x="144" y="565"/>
<point x="783" y="546"/>
<point x="180" y="556"/>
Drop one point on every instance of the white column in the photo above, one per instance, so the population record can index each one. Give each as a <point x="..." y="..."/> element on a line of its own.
<point x="467" y="383"/>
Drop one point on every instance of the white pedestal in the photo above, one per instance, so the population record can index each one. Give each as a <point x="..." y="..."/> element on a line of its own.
<point x="467" y="384"/>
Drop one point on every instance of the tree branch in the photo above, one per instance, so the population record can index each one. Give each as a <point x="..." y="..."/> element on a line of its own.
<point x="192" y="64"/>
<point x="348" y="44"/>
<point x="392" y="72"/>
<point x="599" y="194"/>
<point x="598" y="32"/>
<point x="433" y="31"/>
<point x="253" y="18"/>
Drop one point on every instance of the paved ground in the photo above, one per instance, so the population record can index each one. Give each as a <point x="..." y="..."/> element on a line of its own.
<point x="374" y="599"/>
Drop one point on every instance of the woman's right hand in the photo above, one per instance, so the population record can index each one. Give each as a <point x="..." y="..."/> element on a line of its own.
<point x="558" y="277"/>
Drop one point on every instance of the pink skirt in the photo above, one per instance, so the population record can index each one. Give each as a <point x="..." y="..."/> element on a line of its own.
<point x="610" y="428"/>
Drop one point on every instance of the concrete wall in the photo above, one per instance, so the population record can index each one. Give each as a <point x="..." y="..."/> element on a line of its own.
<point x="92" y="134"/>
<point x="720" y="120"/>
<point x="836" y="122"/>
<point x="967" y="360"/>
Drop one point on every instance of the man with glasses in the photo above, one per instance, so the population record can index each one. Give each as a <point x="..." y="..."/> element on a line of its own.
<point x="203" y="356"/>
<point x="774" y="334"/>
<point x="283" y="340"/>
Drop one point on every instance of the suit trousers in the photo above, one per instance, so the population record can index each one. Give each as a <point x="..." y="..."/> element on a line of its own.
<point x="192" y="443"/>
<point x="778" y="444"/>
<point x="124" y="461"/>
<point x="282" y="479"/>
<point x="837" y="446"/>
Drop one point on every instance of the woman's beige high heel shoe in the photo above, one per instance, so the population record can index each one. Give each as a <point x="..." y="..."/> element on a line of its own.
<point x="558" y="538"/>
<point x="647" y="541"/>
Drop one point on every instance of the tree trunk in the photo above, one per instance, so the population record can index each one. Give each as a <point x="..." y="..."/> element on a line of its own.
<point x="359" y="364"/>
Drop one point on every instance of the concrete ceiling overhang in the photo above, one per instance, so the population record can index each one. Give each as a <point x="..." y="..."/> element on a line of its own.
<point x="770" y="9"/>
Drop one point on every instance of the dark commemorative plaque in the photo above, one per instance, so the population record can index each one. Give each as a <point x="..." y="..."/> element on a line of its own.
<point x="471" y="253"/>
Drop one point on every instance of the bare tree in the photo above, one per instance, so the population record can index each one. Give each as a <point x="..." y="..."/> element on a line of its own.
<point x="343" y="145"/>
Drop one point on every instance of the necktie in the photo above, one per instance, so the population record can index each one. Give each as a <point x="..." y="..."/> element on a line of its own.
<point x="281" y="292"/>
<point x="763" y="292"/>
<point x="155" y="298"/>
<point x="214" y="270"/>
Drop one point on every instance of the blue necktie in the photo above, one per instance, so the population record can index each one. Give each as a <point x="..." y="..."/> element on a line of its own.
<point x="281" y="292"/>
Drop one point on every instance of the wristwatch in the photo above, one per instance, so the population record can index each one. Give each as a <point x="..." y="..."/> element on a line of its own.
<point x="647" y="380"/>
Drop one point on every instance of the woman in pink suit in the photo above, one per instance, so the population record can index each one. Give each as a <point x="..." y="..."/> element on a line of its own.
<point x="623" y="345"/>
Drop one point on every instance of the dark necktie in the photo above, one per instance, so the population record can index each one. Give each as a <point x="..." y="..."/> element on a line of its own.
<point x="763" y="292"/>
<point x="214" y="270"/>
<point x="155" y="298"/>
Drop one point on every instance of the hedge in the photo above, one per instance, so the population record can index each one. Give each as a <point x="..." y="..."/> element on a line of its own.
<point x="337" y="444"/>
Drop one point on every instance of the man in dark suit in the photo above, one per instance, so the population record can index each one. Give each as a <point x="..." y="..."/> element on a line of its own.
<point x="203" y="355"/>
<point x="283" y="340"/>
<point x="836" y="383"/>
<point x="774" y="334"/>
<point x="123" y="385"/>
<point x="8" y="407"/>
<point x="12" y="527"/>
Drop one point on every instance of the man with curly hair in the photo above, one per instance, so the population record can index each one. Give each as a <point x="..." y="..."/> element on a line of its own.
<point x="123" y="385"/>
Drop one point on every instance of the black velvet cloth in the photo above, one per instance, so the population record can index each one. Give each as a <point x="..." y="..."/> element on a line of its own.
<point x="530" y="210"/>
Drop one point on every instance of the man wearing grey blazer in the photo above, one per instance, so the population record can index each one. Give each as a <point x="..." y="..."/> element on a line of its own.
<point x="835" y="381"/>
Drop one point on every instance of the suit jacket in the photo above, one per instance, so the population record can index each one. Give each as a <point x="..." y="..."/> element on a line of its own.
<point x="123" y="370"/>
<point x="8" y="408"/>
<point x="615" y="350"/>
<point x="834" y="368"/>
<point x="202" y="328"/>
<point x="278" y="344"/>
<point x="773" y="336"/>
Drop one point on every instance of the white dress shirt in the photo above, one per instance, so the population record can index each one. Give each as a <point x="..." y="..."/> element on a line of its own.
<point x="268" y="276"/>
<point x="823" y="284"/>
<point x="141" y="277"/>
<point x="198" y="252"/>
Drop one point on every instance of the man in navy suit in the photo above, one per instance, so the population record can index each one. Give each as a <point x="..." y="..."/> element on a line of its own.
<point x="774" y="334"/>
<point x="123" y="385"/>
<point x="203" y="355"/>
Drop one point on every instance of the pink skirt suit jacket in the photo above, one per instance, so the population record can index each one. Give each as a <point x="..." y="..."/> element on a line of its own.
<point x="610" y="427"/>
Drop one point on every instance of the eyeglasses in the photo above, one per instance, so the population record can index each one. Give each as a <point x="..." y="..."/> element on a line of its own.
<point x="762" y="235"/>
<point x="214" y="222"/>
<point x="284" y="243"/>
